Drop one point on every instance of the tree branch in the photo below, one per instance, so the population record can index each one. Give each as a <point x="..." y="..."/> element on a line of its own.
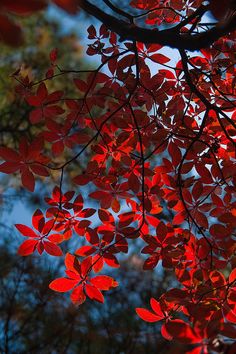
<point x="167" y="37"/>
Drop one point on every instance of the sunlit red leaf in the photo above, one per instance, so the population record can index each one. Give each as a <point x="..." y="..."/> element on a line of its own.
<point x="72" y="263"/>
<point x="86" y="265"/>
<point x="115" y="205"/>
<point x="85" y="251"/>
<point x="232" y="276"/>
<point x="165" y="333"/>
<point x="93" y="293"/>
<point x="98" y="263"/>
<point x="104" y="282"/>
<point x="147" y="315"/>
<point x="62" y="284"/>
<point x="52" y="249"/>
<point x="27" y="247"/>
<point x="26" y="231"/>
<point x="78" y="296"/>
<point x="38" y="220"/>
<point x="156" y="307"/>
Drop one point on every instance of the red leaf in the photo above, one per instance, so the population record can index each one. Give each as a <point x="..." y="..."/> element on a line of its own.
<point x="232" y="276"/>
<point x="9" y="154"/>
<point x="70" y="6"/>
<point x="197" y="190"/>
<point x="115" y="205"/>
<point x="28" y="180"/>
<point x="85" y="251"/>
<point x="72" y="263"/>
<point x="81" y="85"/>
<point x="147" y="315"/>
<point x="151" y="262"/>
<point x="204" y="173"/>
<point x="81" y="180"/>
<point x="93" y="293"/>
<point x="52" y="249"/>
<point x="38" y="220"/>
<point x="27" y="247"/>
<point x="175" y="153"/>
<point x="111" y="260"/>
<point x="50" y="72"/>
<point x="9" y="167"/>
<point x="40" y="247"/>
<point x="217" y="278"/>
<point x="91" y="31"/>
<point x="42" y="91"/>
<point x="56" y="238"/>
<point x="156" y="307"/>
<point x="39" y="170"/>
<point x="33" y="101"/>
<point x="36" y="116"/>
<point x="134" y="183"/>
<point x="219" y="231"/>
<point x="182" y="331"/>
<point x="200" y="218"/>
<point x="11" y="33"/>
<point x="78" y="296"/>
<point x="103" y="282"/>
<point x="23" y="7"/>
<point x="229" y="313"/>
<point x="53" y="55"/>
<point x="58" y="147"/>
<point x="99" y="195"/>
<point x="105" y="216"/>
<point x="86" y="265"/>
<point x="228" y="330"/>
<point x="164" y="333"/>
<point x="98" y="263"/>
<point x="159" y="58"/>
<point x="26" y="231"/>
<point x="62" y="284"/>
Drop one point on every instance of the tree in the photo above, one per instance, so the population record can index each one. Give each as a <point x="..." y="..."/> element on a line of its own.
<point x="151" y="133"/>
<point x="32" y="58"/>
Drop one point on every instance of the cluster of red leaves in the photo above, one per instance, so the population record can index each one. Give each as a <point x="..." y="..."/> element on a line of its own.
<point x="165" y="12"/>
<point x="45" y="104"/>
<point x="162" y="147"/>
<point x="210" y="309"/>
<point x="78" y="280"/>
<point x="40" y="239"/>
<point x="27" y="160"/>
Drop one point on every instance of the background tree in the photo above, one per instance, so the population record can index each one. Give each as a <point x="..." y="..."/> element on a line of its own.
<point x="31" y="59"/>
<point x="145" y="138"/>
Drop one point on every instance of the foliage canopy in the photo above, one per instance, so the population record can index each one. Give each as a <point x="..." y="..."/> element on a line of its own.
<point x="151" y="132"/>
